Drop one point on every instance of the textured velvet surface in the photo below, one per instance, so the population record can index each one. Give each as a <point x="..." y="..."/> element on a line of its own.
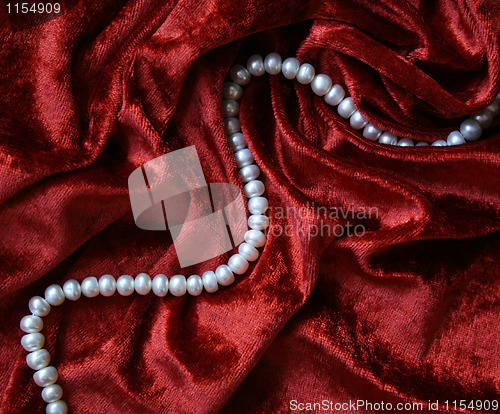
<point x="407" y="312"/>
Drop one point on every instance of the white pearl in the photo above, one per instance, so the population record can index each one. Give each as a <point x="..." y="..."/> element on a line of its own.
<point x="321" y="84"/>
<point x="335" y="95"/>
<point x="255" y="65"/>
<point x="54" y="295"/>
<point x="230" y="108"/>
<point x="483" y="118"/>
<point x="243" y="158"/>
<point x="249" y="252"/>
<point x="232" y="91"/>
<point x="45" y="376"/>
<point x="237" y="141"/>
<point x="422" y="144"/>
<point x="38" y="359"/>
<point x="494" y="108"/>
<point x="33" y="341"/>
<point x="210" y="282"/>
<point x="406" y="142"/>
<point x="39" y="306"/>
<point x="439" y="143"/>
<point x="238" y="264"/>
<point x="255" y="237"/>
<point x="290" y="68"/>
<point x="249" y="173"/>
<point x="194" y="285"/>
<point x="57" y="407"/>
<point x="455" y="138"/>
<point x="90" y="287"/>
<point x="470" y="130"/>
<point x="224" y="275"/>
<point x="258" y="222"/>
<point x="232" y="125"/>
<point x="306" y="73"/>
<point x="346" y="108"/>
<point x="125" y="285"/>
<point x="31" y="324"/>
<point x="107" y="285"/>
<point x="254" y="188"/>
<point x="388" y="138"/>
<point x="160" y="285"/>
<point x="258" y="205"/>
<point x="372" y="132"/>
<point x="357" y="121"/>
<point x="272" y="63"/>
<point x="52" y="393"/>
<point x="177" y="285"/>
<point x="142" y="284"/>
<point x="72" y="290"/>
<point x="240" y="75"/>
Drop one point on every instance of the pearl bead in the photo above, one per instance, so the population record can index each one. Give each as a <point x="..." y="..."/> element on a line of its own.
<point x="38" y="359"/>
<point x="232" y="91"/>
<point x="346" y="108"/>
<point x="107" y="285"/>
<point x="357" y="121"/>
<point x="455" y="138"/>
<point x="243" y="157"/>
<point x="258" y="205"/>
<point x="194" y="285"/>
<point x="224" y="275"/>
<point x="125" y="285"/>
<point x="230" y="108"/>
<point x="52" y="393"/>
<point x="45" y="376"/>
<point x="160" y="285"/>
<point x="255" y="65"/>
<point x="439" y="143"/>
<point x="255" y="237"/>
<point x="406" y="142"/>
<point x="232" y="125"/>
<point x="372" y="132"/>
<point x="290" y="68"/>
<point x="305" y="74"/>
<point x="240" y="75"/>
<point x="142" y="284"/>
<point x="258" y="222"/>
<point x="72" y="290"/>
<point x="254" y="188"/>
<point x="90" y="287"/>
<point x="494" y="108"/>
<point x="210" y="282"/>
<point x="238" y="264"/>
<point x="335" y="95"/>
<point x="321" y="84"/>
<point x="31" y="324"/>
<point x="388" y="138"/>
<point x="57" y="407"/>
<point x="272" y="63"/>
<point x="249" y="173"/>
<point x="422" y="144"/>
<point x="237" y="141"/>
<point x="483" y="118"/>
<point x="39" y="306"/>
<point x="177" y="285"/>
<point x="54" y="295"/>
<point x="470" y="130"/>
<point x="33" y="341"/>
<point x="249" y="252"/>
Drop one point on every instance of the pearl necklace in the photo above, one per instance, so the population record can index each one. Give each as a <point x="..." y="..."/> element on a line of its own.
<point x="39" y="358"/>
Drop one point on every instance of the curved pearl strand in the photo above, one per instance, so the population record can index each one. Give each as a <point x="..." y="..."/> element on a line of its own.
<point x="38" y="358"/>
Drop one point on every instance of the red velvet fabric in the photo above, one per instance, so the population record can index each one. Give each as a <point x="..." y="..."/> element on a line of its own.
<point x="406" y="313"/>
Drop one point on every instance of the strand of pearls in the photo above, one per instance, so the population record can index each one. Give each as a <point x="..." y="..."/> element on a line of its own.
<point x="322" y="85"/>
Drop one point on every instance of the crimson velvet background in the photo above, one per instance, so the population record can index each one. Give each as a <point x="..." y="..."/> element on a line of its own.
<point x="406" y="313"/>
